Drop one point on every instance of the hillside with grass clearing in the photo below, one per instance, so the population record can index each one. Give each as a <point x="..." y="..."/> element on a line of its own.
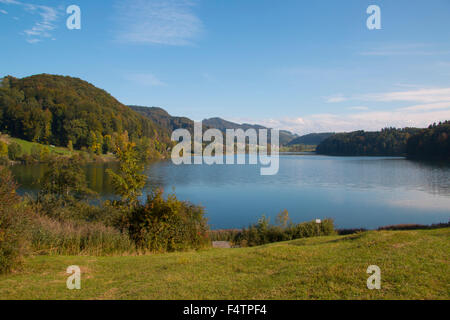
<point x="414" y="265"/>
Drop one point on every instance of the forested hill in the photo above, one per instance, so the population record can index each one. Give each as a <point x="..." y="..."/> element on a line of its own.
<point x="163" y="118"/>
<point x="53" y="109"/>
<point x="387" y="142"/>
<point x="310" y="139"/>
<point x="223" y="125"/>
<point x="433" y="142"/>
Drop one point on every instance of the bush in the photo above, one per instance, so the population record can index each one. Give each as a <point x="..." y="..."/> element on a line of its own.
<point x="167" y="225"/>
<point x="13" y="224"/>
<point x="224" y="235"/>
<point x="36" y="152"/>
<point x="3" y="149"/>
<point x="78" y="211"/>
<point x="263" y="232"/>
<point x="64" y="182"/>
<point x="414" y="227"/>
<point x="28" y="159"/>
<point x="14" y="151"/>
<point x="4" y="161"/>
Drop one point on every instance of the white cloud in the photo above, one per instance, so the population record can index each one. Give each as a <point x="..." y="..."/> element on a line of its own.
<point x="3" y="11"/>
<point x="420" y="95"/>
<point x="428" y="95"/>
<point x="46" y="24"/>
<point x="10" y="1"/>
<point x="43" y="27"/>
<point x="369" y="121"/>
<point x="432" y="105"/>
<point x="336" y="98"/>
<point x="426" y="107"/>
<point x="145" y="79"/>
<point x="33" y="40"/>
<point x="165" y="22"/>
<point x="417" y="49"/>
<point x="360" y="108"/>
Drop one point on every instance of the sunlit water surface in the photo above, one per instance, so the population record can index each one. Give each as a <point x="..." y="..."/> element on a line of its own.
<point x="355" y="191"/>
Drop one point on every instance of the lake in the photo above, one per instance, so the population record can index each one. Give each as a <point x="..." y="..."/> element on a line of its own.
<point x="356" y="192"/>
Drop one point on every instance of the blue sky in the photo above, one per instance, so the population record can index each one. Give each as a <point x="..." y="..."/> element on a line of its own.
<point x="306" y="66"/>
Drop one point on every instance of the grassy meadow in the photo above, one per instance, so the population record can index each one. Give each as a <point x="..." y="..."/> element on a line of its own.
<point x="27" y="147"/>
<point x="414" y="265"/>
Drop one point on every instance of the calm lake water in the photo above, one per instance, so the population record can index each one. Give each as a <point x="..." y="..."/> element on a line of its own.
<point x="355" y="191"/>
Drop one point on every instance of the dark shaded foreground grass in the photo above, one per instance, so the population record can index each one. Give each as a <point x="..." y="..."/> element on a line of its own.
<point x="414" y="265"/>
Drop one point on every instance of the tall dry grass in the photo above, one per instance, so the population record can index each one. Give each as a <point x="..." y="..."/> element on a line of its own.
<point x="54" y="237"/>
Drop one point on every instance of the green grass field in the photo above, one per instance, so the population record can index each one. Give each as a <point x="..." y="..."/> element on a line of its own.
<point x="59" y="151"/>
<point x="27" y="146"/>
<point x="414" y="265"/>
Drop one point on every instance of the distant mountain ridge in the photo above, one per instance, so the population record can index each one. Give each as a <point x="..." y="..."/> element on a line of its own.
<point x="312" y="139"/>
<point x="164" y="119"/>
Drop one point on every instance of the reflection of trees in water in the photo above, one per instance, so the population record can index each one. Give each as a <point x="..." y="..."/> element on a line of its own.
<point x="356" y="173"/>
<point x="437" y="177"/>
<point x="165" y="174"/>
<point x="29" y="176"/>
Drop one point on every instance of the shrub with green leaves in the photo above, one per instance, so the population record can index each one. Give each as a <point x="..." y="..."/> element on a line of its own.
<point x="13" y="224"/>
<point x="129" y="181"/>
<point x="64" y="182"/>
<point x="3" y="149"/>
<point x="14" y="151"/>
<point x="263" y="232"/>
<point x="168" y="225"/>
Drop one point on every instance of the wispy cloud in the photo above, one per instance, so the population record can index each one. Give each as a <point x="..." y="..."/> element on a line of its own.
<point x="360" y="108"/>
<point x="370" y="121"/>
<point x="427" y="107"/>
<point x="436" y="108"/>
<point x="44" y="26"/>
<point x="420" y="95"/>
<point x="424" y="95"/>
<point x="164" y="22"/>
<point x="145" y="79"/>
<point x="417" y="49"/>
<point x="431" y="105"/>
<point x="3" y="11"/>
<point x="336" y="98"/>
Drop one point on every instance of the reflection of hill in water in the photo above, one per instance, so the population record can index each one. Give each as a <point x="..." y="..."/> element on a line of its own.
<point x="318" y="171"/>
<point x="295" y="170"/>
<point x="356" y="192"/>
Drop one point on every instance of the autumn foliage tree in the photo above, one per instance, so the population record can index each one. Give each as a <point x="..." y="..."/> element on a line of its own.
<point x="129" y="181"/>
<point x="13" y="223"/>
